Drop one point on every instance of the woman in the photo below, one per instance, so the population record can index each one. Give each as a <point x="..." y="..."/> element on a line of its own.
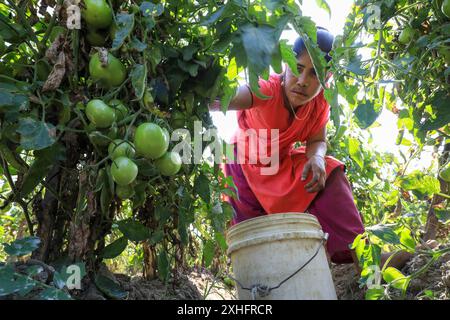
<point x="306" y="180"/>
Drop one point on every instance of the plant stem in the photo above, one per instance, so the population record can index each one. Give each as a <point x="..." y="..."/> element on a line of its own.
<point x="16" y="196"/>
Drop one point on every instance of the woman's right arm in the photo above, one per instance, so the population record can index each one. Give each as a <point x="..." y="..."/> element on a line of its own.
<point x="242" y="100"/>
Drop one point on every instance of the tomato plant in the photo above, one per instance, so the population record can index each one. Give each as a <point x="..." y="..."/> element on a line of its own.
<point x="137" y="70"/>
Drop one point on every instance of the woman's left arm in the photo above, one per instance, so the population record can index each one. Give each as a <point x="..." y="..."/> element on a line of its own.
<point x="316" y="149"/>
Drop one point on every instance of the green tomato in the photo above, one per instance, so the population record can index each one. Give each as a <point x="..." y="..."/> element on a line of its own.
<point x="169" y="164"/>
<point x="96" y="38"/>
<point x="406" y="35"/>
<point x="97" y="14"/>
<point x="100" y="114"/>
<point x="444" y="174"/>
<point x="124" y="192"/>
<point x="111" y="75"/>
<point x="123" y="171"/>
<point x="121" y="148"/>
<point x="446" y="8"/>
<point x="150" y="140"/>
<point x="119" y="108"/>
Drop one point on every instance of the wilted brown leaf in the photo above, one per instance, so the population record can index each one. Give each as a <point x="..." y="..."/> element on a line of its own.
<point x="55" y="77"/>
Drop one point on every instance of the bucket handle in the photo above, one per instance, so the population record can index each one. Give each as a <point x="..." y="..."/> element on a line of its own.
<point x="262" y="290"/>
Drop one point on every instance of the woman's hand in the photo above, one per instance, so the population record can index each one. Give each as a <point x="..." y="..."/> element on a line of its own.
<point x="317" y="165"/>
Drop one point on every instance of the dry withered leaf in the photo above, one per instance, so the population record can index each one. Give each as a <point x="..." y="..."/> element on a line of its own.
<point x="52" y="52"/>
<point x="55" y="77"/>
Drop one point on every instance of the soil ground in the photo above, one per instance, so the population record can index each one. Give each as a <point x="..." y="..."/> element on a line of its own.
<point x="434" y="283"/>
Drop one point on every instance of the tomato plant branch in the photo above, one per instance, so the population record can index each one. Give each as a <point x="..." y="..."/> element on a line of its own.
<point x="49" y="29"/>
<point x="25" y="22"/>
<point x="75" y="44"/>
<point x="16" y="195"/>
<point x="132" y="122"/>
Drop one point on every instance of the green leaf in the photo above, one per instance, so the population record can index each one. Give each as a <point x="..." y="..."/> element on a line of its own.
<point x="354" y="149"/>
<point x="12" y="102"/>
<point x="105" y="199"/>
<point x="374" y="293"/>
<point x="324" y="5"/>
<point x="189" y="51"/>
<point x="201" y="187"/>
<point x="45" y="160"/>
<point x="139" y="80"/>
<point x="11" y="282"/>
<point x="355" y="67"/>
<point x="441" y="117"/>
<point x="34" y="270"/>
<point x="215" y="15"/>
<point x="254" y="85"/>
<point x="259" y="43"/>
<point x="359" y="245"/>
<point x="22" y="246"/>
<point x="396" y="278"/>
<point x="229" y="89"/>
<point x="288" y="56"/>
<point x="36" y="135"/>
<point x="54" y="294"/>
<point x="385" y="233"/>
<point x="125" y="25"/>
<point x="58" y="280"/>
<point x="134" y="230"/>
<point x="277" y="60"/>
<point x="157" y="236"/>
<point x="307" y="26"/>
<point x="115" y="248"/>
<point x="273" y="4"/>
<point x="208" y="253"/>
<point x="110" y="288"/>
<point x="140" y="194"/>
<point x="420" y="184"/>
<point x="137" y="45"/>
<point x="151" y="9"/>
<point x="366" y="113"/>
<point x="220" y="239"/>
<point x="163" y="266"/>
<point x="407" y="240"/>
<point x="191" y="68"/>
<point x="442" y="215"/>
<point x="162" y="214"/>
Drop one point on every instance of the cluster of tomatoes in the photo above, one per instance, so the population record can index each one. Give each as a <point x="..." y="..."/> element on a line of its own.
<point x="150" y="141"/>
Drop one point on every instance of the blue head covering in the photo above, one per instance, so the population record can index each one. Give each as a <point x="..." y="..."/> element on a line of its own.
<point x="324" y="40"/>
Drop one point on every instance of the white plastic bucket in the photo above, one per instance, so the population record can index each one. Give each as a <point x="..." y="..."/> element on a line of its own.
<point x="266" y="250"/>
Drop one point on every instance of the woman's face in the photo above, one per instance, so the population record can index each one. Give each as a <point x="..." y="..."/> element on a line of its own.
<point x="299" y="90"/>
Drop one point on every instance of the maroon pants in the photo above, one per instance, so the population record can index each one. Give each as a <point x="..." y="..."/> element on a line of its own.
<point x="333" y="206"/>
